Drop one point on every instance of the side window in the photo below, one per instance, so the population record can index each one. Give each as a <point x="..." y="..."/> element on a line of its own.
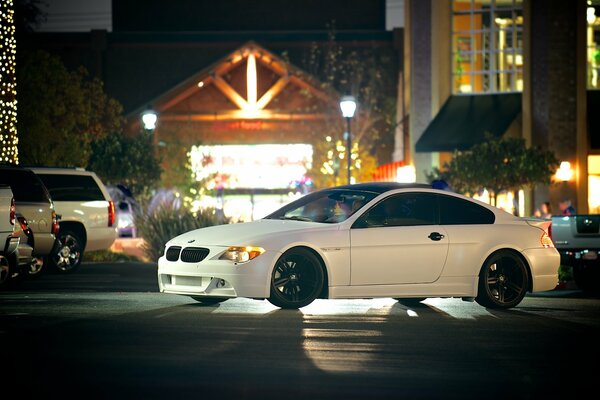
<point x="406" y="209"/>
<point x="455" y="211"/>
<point x="72" y="187"/>
<point x="26" y="186"/>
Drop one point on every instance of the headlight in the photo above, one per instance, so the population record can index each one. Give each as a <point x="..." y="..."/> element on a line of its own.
<point x="241" y="254"/>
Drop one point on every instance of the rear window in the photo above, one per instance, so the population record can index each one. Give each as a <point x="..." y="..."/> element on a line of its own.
<point x="455" y="211"/>
<point x="72" y="187"/>
<point x="25" y="185"/>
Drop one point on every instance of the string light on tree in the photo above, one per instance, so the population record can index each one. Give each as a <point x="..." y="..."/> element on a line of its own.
<point x="8" y="85"/>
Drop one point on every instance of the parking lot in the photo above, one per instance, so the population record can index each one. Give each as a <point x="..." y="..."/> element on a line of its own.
<point x="106" y="332"/>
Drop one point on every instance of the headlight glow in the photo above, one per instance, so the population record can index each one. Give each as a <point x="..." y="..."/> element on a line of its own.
<point x="242" y="254"/>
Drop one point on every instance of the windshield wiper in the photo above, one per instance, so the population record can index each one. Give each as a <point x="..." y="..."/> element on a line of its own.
<point x="296" y="218"/>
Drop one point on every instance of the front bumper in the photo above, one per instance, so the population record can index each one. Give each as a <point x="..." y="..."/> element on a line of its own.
<point x="544" y="263"/>
<point x="217" y="278"/>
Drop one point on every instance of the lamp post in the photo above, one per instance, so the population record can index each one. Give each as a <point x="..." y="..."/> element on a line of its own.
<point x="348" y="107"/>
<point x="149" y="118"/>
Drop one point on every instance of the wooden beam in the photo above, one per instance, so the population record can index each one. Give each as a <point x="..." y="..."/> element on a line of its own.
<point x="244" y="115"/>
<point x="271" y="93"/>
<point x="190" y="90"/>
<point x="230" y="93"/>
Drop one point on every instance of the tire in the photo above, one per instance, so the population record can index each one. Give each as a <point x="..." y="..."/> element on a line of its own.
<point x="503" y="280"/>
<point x="209" y="300"/>
<point x="35" y="268"/>
<point x="5" y="271"/>
<point x="297" y="279"/>
<point x="410" y="301"/>
<point x="66" y="255"/>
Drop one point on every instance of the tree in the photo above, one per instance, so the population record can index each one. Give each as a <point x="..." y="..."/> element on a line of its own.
<point x="61" y="112"/>
<point x="368" y="75"/>
<point x="498" y="165"/>
<point x="129" y="161"/>
<point x="8" y="85"/>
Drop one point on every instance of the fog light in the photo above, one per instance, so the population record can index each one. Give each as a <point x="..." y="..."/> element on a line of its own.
<point x="221" y="283"/>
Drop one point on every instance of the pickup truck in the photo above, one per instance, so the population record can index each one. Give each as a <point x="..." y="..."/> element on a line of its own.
<point x="577" y="239"/>
<point x="9" y="234"/>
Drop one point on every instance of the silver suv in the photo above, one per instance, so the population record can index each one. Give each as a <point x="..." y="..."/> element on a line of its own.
<point x="87" y="214"/>
<point x="35" y="205"/>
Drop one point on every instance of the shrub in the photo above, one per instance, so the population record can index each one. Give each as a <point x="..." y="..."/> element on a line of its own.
<point x="167" y="221"/>
<point x="108" y="256"/>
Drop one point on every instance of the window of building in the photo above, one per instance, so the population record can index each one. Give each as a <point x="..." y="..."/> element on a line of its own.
<point x="407" y="209"/>
<point x="455" y="211"/>
<point x="593" y="45"/>
<point x="487" y="46"/>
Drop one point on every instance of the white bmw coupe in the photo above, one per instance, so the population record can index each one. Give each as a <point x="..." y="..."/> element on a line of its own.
<point x="366" y="241"/>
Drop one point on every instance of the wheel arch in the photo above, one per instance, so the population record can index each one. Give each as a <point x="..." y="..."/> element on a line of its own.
<point x="516" y="253"/>
<point x="326" y="273"/>
<point x="77" y="227"/>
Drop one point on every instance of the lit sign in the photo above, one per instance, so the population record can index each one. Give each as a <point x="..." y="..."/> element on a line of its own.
<point x="268" y="166"/>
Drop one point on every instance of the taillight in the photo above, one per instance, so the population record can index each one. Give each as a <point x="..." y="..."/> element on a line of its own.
<point x="13" y="211"/>
<point x="23" y="223"/>
<point x="111" y="213"/>
<point x="55" y="224"/>
<point x="546" y="240"/>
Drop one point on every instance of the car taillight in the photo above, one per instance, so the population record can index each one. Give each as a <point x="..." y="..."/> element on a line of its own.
<point x="13" y="211"/>
<point x="111" y="213"/>
<point x="23" y="223"/>
<point x="546" y="240"/>
<point x="55" y="224"/>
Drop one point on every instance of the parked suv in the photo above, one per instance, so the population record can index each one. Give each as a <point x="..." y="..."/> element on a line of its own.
<point x="87" y="214"/>
<point x="34" y="204"/>
<point x="9" y="232"/>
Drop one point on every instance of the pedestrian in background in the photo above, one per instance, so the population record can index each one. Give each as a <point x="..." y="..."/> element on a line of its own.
<point x="566" y="208"/>
<point x="545" y="211"/>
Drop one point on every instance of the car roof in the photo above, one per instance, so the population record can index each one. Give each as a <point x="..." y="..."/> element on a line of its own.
<point x="61" y="170"/>
<point x="382" y="187"/>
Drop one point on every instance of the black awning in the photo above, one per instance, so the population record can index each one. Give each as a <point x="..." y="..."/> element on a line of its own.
<point x="464" y="120"/>
<point x="593" y="119"/>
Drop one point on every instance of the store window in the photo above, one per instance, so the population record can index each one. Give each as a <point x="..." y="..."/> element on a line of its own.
<point x="487" y="46"/>
<point x="593" y="45"/>
<point x="594" y="184"/>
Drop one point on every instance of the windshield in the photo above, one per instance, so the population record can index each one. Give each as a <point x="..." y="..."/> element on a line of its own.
<point x="327" y="206"/>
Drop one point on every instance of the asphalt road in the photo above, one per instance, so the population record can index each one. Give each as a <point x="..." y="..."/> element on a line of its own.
<point x="106" y="332"/>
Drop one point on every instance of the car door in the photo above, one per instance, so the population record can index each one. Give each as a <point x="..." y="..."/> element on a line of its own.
<point x="398" y="241"/>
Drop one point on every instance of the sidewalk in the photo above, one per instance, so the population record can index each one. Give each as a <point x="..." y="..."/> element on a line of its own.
<point x="131" y="247"/>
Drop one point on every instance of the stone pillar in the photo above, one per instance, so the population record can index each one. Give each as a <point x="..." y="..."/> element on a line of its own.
<point x="558" y="100"/>
<point x="418" y="32"/>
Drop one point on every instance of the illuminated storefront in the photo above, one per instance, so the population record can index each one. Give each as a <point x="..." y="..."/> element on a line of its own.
<point x="246" y="124"/>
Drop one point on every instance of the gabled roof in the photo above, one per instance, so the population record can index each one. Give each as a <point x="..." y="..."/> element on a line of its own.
<point x="242" y="105"/>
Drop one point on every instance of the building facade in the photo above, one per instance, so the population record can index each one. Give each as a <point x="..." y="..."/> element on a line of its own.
<point x="521" y="68"/>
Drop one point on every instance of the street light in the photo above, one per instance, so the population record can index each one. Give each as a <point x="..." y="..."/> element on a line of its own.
<point x="149" y="118"/>
<point x="348" y="106"/>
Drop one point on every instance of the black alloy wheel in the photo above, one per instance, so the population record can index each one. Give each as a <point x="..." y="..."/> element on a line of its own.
<point x="297" y="279"/>
<point x="503" y="281"/>
<point x="68" y="252"/>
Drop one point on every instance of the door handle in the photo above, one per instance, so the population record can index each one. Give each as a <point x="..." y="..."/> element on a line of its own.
<point x="435" y="236"/>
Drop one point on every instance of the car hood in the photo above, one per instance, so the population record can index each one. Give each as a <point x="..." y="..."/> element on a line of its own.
<point x="243" y="234"/>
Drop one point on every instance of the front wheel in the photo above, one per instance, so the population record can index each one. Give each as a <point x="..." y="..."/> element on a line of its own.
<point x="297" y="279"/>
<point x="68" y="251"/>
<point x="503" y="281"/>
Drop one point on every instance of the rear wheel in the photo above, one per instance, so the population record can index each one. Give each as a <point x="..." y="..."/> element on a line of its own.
<point x="503" y="280"/>
<point x="67" y="254"/>
<point x="35" y="267"/>
<point x="4" y="271"/>
<point x="209" y="300"/>
<point x="297" y="279"/>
